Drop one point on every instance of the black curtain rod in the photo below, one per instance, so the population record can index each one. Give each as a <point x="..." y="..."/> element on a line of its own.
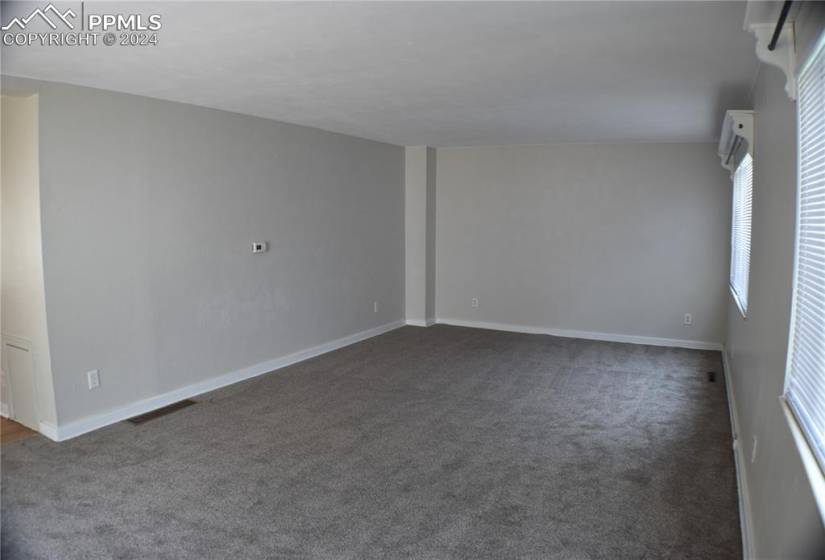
<point x="786" y="7"/>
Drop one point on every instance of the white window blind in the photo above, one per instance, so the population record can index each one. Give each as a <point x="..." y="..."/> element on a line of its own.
<point x="740" y="251"/>
<point x="805" y="384"/>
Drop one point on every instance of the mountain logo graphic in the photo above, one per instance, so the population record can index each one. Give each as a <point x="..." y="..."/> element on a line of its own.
<point x="44" y="14"/>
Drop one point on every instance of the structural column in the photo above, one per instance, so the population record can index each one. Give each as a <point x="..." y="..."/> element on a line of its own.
<point x="419" y="231"/>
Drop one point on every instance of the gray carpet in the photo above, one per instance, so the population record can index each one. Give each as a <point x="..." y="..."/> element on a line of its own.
<point x="443" y="442"/>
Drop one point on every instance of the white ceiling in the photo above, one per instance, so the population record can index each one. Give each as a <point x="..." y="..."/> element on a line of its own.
<point x="442" y="74"/>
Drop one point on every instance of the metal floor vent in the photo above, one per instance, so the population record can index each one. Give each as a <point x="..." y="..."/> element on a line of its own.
<point x="161" y="412"/>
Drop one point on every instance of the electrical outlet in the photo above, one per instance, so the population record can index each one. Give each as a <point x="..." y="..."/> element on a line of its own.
<point x="259" y="247"/>
<point x="753" y="449"/>
<point x="688" y="319"/>
<point x="93" y="378"/>
<point x="474" y="302"/>
<point x="375" y="307"/>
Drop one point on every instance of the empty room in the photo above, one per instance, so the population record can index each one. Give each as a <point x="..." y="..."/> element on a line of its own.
<point x="412" y="280"/>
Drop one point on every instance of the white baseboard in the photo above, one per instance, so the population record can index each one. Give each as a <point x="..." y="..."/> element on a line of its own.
<point x="78" y="427"/>
<point x="587" y="335"/>
<point x="85" y="425"/>
<point x="49" y="430"/>
<point x="4" y="410"/>
<point x="739" y="460"/>
<point x="420" y="323"/>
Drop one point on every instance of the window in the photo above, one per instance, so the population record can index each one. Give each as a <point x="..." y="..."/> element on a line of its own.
<point x="805" y="383"/>
<point x="740" y="250"/>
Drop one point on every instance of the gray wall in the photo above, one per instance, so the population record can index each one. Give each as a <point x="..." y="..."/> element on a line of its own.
<point x="786" y="523"/>
<point x="432" y="155"/>
<point x="149" y="208"/>
<point x="419" y="229"/>
<point x="622" y="238"/>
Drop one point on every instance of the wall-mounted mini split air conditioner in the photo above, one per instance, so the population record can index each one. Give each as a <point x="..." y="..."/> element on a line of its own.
<point x="736" y="135"/>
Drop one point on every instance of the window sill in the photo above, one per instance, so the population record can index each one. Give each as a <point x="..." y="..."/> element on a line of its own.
<point x="742" y="309"/>
<point x="815" y="475"/>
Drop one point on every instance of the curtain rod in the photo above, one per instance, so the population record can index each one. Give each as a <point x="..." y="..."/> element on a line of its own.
<point x="786" y="7"/>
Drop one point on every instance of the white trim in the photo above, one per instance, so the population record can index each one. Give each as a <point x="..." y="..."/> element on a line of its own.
<point x="809" y="461"/>
<point x="745" y="517"/>
<point x="587" y="335"/>
<point x="783" y="56"/>
<point x="49" y="430"/>
<point x="4" y="410"/>
<point x="420" y="323"/>
<point x="85" y="425"/>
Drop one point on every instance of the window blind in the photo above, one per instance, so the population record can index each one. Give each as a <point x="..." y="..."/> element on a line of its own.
<point x="740" y="253"/>
<point x="805" y="383"/>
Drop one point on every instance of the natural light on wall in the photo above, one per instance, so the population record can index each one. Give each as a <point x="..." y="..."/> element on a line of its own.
<point x="740" y="254"/>
<point x="805" y="384"/>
